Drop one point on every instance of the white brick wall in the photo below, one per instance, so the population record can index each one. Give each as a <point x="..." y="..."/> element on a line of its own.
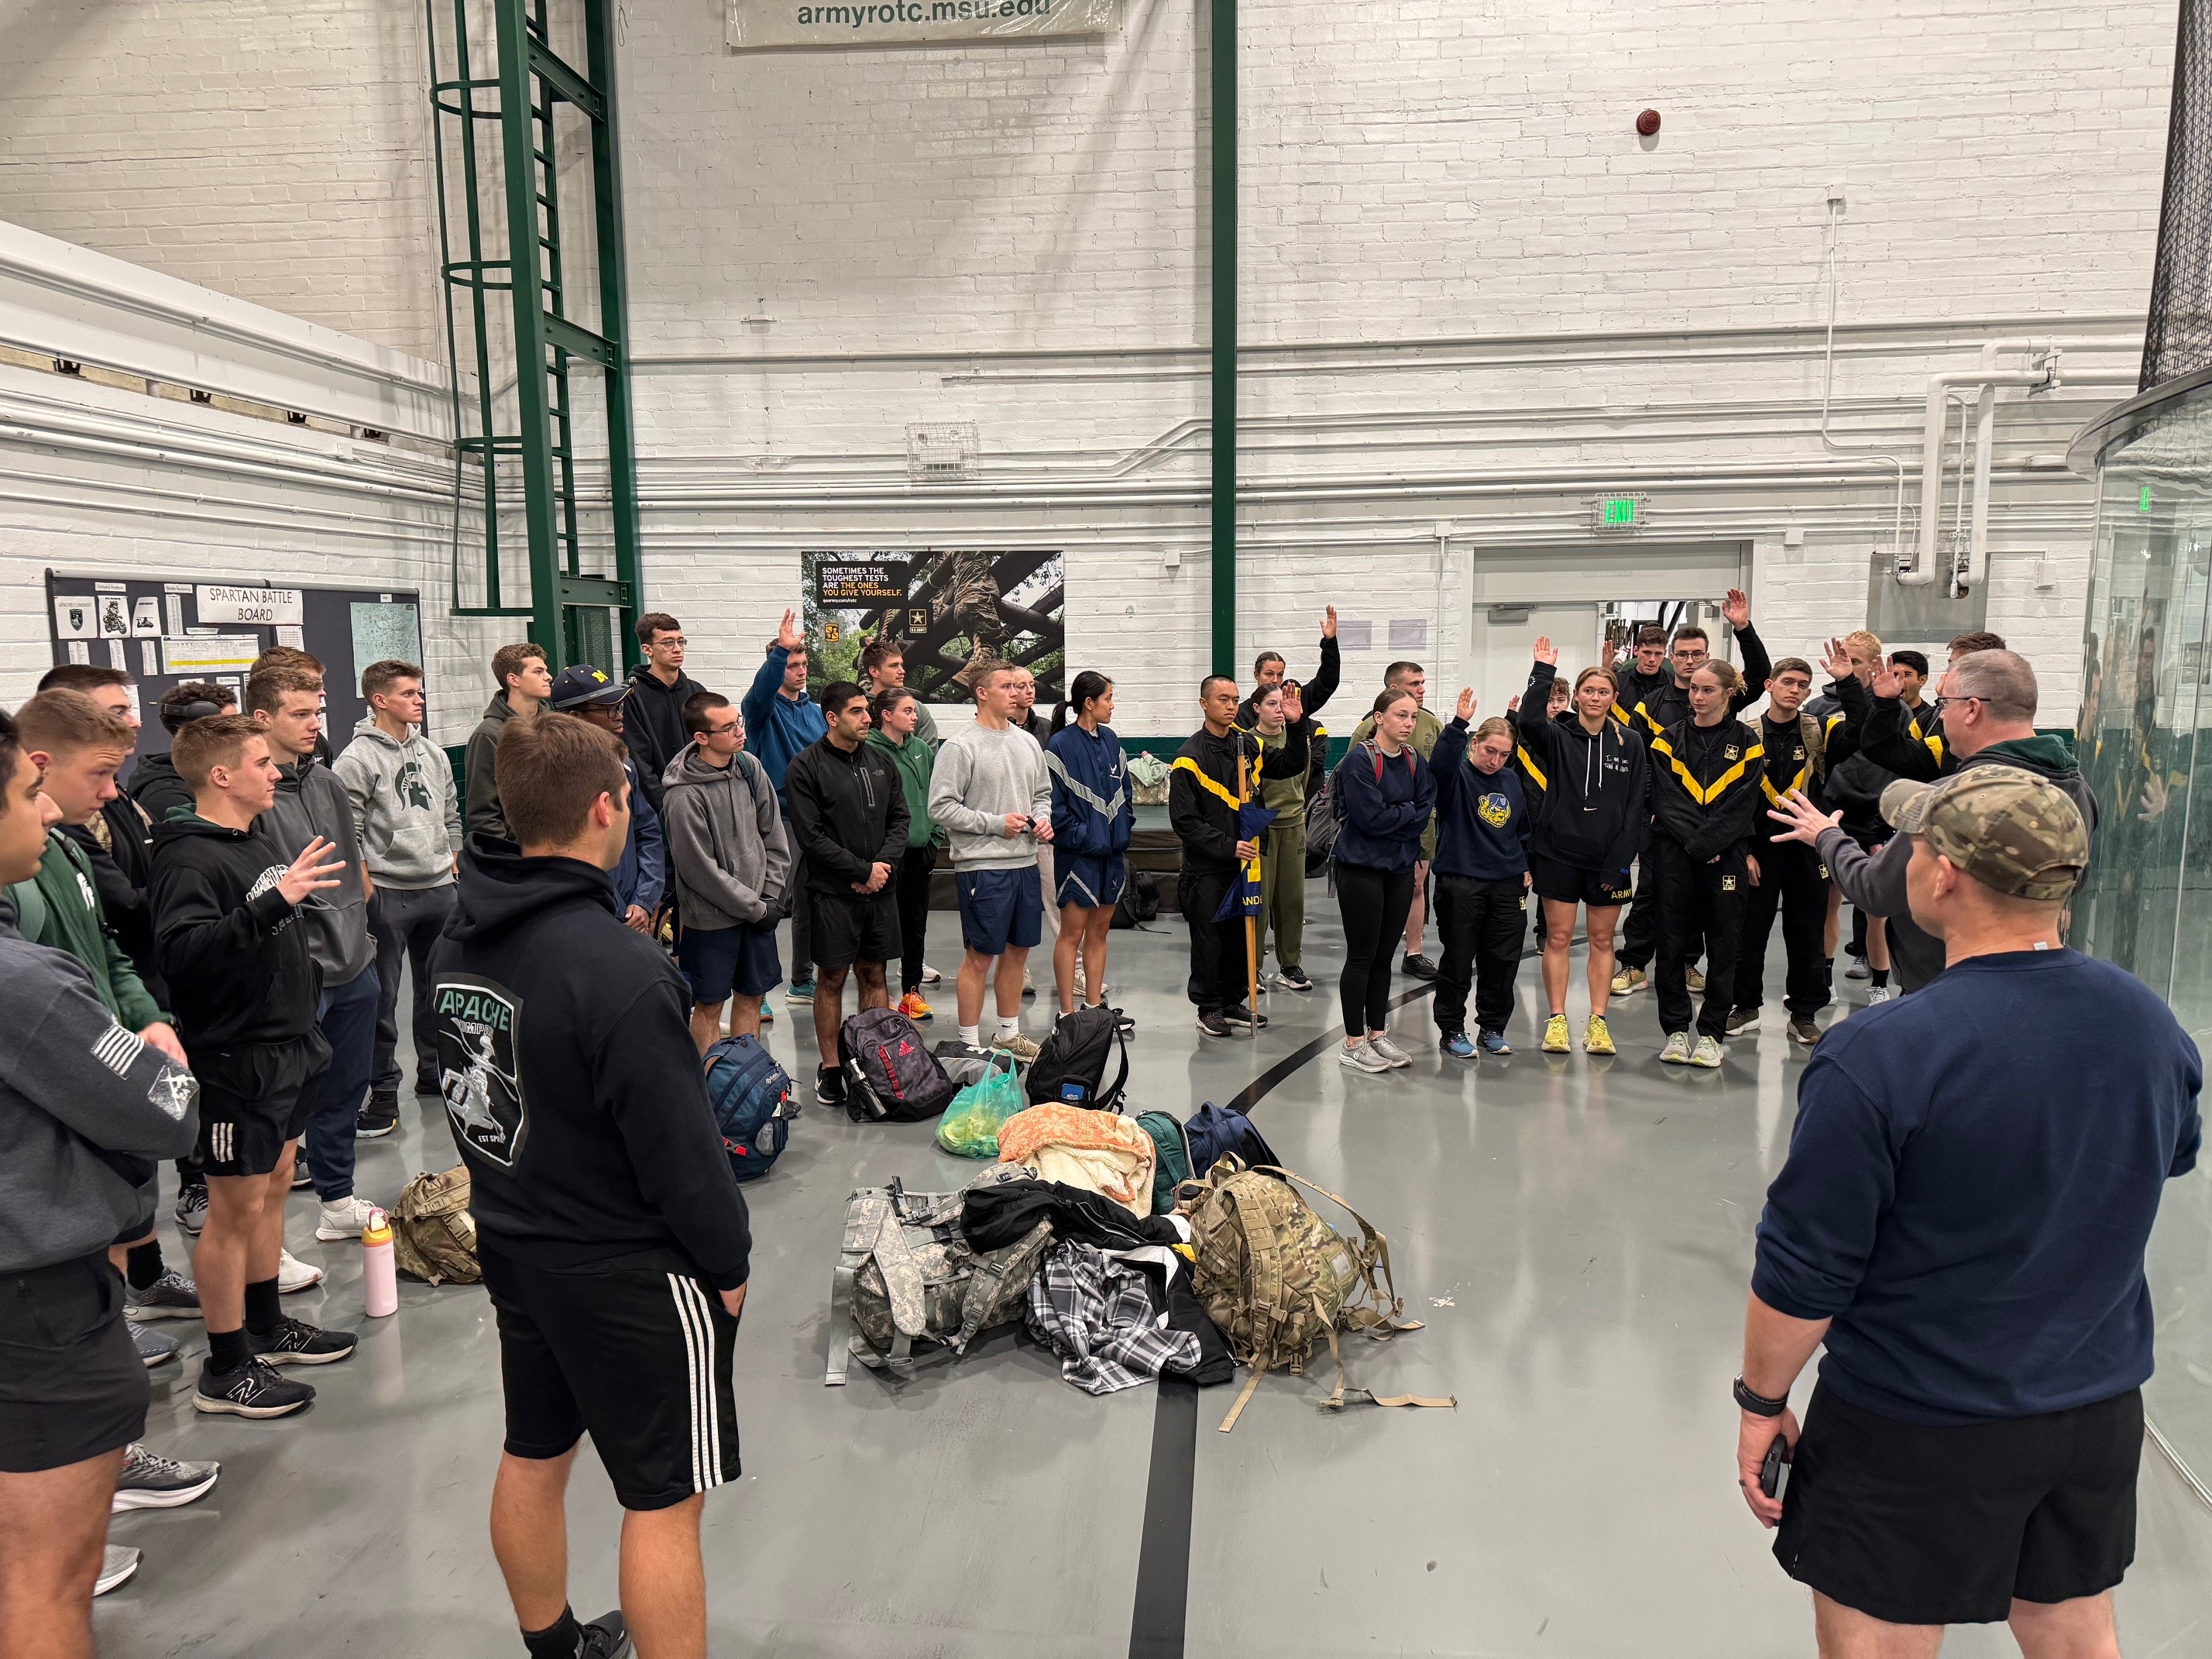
<point x="1521" y="304"/>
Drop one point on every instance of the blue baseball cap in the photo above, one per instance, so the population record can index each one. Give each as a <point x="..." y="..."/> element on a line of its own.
<point x="583" y="685"/>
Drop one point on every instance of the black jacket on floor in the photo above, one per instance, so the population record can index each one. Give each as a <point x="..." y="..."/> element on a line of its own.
<point x="571" y="1081"/>
<point x="238" y="963"/>
<point x="847" y="811"/>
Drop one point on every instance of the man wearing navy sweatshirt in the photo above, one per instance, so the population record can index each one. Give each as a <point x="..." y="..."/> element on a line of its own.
<point x="1961" y="1219"/>
<point x="1482" y="879"/>
<point x="781" y="720"/>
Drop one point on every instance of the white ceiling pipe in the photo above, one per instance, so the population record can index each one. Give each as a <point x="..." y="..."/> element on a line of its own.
<point x="1932" y="429"/>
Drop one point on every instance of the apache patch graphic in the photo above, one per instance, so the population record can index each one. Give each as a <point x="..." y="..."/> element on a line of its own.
<point x="1494" y="809"/>
<point x="174" y="1091"/>
<point x="1728" y="884"/>
<point x="475" y="1021"/>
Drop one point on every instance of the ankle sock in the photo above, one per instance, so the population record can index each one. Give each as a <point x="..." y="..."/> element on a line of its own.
<point x="261" y="1309"/>
<point x="143" y="1264"/>
<point x="562" y="1639"/>
<point x="972" y="1036"/>
<point x="227" y="1351"/>
<point x="1880" y="977"/>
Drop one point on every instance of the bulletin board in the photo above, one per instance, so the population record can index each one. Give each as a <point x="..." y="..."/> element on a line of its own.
<point x="163" y="631"/>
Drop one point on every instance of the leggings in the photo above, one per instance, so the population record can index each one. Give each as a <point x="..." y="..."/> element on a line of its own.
<point x="1374" y="904"/>
<point x="914" y="912"/>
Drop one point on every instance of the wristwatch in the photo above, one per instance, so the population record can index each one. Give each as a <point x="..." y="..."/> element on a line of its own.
<point x="1758" y="1404"/>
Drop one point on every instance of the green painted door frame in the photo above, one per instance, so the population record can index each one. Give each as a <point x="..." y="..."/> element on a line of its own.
<point x="1224" y="421"/>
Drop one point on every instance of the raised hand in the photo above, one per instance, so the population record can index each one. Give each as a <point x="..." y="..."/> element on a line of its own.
<point x="1836" y="662"/>
<point x="1329" y="623"/>
<point x="1884" y="684"/>
<point x="1546" y="651"/>
<point x="788" y="637"/>
<point x="1466" y="709"/>
<point x="1736" y="609"/>
<point x="308" y="874"/>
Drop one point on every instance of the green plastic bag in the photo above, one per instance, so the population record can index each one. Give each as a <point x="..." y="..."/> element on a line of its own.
<point x="969" y="1128"/>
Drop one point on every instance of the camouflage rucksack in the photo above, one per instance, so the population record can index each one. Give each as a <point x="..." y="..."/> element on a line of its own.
<point x="906" y="1274"/>
<point x="1277" y="1279"/>
<point x="433" y="1237"/>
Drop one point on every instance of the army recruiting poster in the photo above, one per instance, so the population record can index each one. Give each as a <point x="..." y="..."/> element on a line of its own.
<point x="955" y="613"/>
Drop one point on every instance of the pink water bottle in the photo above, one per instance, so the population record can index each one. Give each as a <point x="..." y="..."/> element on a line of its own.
<point x="380" y="1274"/>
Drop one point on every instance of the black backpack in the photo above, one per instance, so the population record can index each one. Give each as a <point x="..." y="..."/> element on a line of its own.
<point x="891" y="1076"/>
<point x="1071" y="1067"/>
<point x="1140" y="901"/>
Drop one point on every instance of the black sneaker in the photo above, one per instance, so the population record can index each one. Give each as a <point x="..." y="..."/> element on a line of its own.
<point x="380" y="1117"/>
<point x="1804" y="1032"/>
<point x="1741" y="1020"/>
<point x="1211" y="1024"/>
<point x="1241" y="1016"/>
<point x="252" y="1390"/>
<point x="1293" y="978"/>
<point x="606" y="1637"/>
<point x="428" y="1083"/>
<point x="1418" y="967"/>
<point x="302" y="1176"/>
<point x="296" y="1342"/>
<point x="829" y="1085"/>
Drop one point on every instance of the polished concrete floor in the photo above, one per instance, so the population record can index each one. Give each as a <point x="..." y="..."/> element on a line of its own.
<point x="1576" y="1234"/>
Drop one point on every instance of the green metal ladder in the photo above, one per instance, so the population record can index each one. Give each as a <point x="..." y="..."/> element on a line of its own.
<point x="577" y="615"/>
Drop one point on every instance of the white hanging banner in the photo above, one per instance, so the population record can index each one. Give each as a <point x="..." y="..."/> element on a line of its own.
<point x="754" y="25"/>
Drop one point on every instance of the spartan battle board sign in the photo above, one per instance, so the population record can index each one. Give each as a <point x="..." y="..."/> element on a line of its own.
<point x="476" y="1020"/>
<point x="955" y="613"/>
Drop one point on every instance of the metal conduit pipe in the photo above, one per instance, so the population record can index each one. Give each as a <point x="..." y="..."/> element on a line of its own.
<point x="1936" y="424"/>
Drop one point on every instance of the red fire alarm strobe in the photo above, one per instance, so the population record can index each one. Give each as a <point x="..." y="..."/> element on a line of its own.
<point x="1648" y="123"/>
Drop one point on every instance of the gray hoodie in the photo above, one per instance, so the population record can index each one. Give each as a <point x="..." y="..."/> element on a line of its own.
<point x="311" y="802"/>
<point x="85" y="1109"/>
<point x="406" y="809"/>
<point x="727" y="850"/>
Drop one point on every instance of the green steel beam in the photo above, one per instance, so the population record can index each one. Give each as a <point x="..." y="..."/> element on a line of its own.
<point x="565" y="335"/>
<point x="586" y="96"/>
<point x="614" y="317"/>
<point x="1224" y="487"/>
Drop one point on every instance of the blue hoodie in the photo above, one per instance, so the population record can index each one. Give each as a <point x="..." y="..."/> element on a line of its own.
<point x="1482" y="821"/>
<point x="1384" y="817"/>
<point x="1092" y="810"/>
<point x="776" y="728"/>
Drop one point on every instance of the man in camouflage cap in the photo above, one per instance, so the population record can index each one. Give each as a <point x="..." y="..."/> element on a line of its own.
<point x="2018" y="835"/>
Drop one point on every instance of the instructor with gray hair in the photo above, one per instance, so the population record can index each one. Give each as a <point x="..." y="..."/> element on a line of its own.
<point x="1972" y="1179"/>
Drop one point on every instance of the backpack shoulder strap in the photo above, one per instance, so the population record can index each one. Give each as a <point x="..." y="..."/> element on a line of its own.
<point x="1109" y="1099"/>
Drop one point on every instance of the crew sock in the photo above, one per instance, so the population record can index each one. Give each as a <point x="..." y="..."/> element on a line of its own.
<point x="261" y="1309"/>
<point x="143" y="1264"/>
<point x="562" y="1639"/>
<point x="227" y="1351"/>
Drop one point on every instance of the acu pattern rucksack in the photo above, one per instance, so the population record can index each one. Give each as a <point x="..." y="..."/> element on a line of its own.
<point x="434" y="1236"/>
<point x="906" y="1274"/>
<point x="1277" y="1279"/>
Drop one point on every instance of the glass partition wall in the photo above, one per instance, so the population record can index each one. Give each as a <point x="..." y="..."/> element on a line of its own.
<point x="2143" y="746"/>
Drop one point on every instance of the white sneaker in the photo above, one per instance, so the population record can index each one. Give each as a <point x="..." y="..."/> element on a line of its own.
<point x="345" y="1218"/>
<point x="294" y="1274"/>
<point x="1707" y="1054"/>
<point x="1390" y="1051"/>
<point x="1677" y="1051"/>
<point x="930" y="975"/>
<point x="1881" y="993"/>
<point x="116" y="1564"/>
<point x="1361" y="1057"/>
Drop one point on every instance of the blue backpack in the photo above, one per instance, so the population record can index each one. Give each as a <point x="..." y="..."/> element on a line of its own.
<point x="753" y="1105"/>
<point x="1213" y="1130"/>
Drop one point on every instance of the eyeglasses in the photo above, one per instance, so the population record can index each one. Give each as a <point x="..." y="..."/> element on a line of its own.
<point x="724" y="730"/>
<point x="1942" y="703"/>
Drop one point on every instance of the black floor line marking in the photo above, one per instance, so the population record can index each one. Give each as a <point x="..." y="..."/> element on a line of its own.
<point x="1157" y="1628"/>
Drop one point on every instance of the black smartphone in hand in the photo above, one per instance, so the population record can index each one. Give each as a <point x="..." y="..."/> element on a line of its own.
<point x="1774" y="1471"/>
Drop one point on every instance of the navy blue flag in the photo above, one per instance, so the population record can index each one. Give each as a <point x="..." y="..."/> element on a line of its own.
<point x="1243" y="898"/>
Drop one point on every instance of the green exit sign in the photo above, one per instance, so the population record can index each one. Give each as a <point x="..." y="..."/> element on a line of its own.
<point x="1617" y="512"/>
<point x="2142" y="500"/>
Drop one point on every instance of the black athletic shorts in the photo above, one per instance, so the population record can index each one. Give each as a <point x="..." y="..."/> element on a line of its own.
<point x="71" y="1383"/>
<point x="1568" y="884"/>
<point x="1920" y="1525"/>
<point x="638" y="1353"/>
<point x="850" y="927"/>
<point x="253" y="1098"/>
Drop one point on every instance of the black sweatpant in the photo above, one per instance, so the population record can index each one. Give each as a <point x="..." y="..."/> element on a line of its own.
<point x="1480" y="922"/>
<point x="1217" y="948"/>
<point x="913" y="879"/>
<point x="1704" y="902"/>
<point x="1793" y="880"/>
<point x="1374" y="904"/>
<point x="1641" y="931"/>
<point x="405" y="922"/>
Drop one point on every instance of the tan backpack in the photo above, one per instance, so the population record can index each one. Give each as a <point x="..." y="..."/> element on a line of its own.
<point x="433" y="1237"/>
<point x="1277" y="1279"/>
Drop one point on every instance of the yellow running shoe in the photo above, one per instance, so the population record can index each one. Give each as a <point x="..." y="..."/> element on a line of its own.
<point x="1555" y="1034"/>
<point x="1597" y="1040"/>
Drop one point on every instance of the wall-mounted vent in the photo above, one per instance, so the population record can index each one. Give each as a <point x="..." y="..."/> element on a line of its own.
<point x="938" y="452"/>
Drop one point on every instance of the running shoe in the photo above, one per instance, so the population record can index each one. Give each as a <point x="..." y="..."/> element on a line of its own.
<point x="1028" y="983"/>
<point x="606" y="1637"/>
<point x="1241" y="1016"/>
<point x="1677" y="1051"/>
<point x="296" y="1342"/>
<point x="1361" y="1056"/>
<point x="154" y="1347"/>
<point x="1694" y="979"/>
<point x="802" y="990"/>
<point x="914" y="1008"/>
<point x="151" y="1481"/>
<point x="116" y="1563"/>
<point x="1389" y="1050"/>
<point x="930" y="975"/>
<point x="294" y="1275"/>
<point x="1493" y="1043"/>
<point x="1456" y="1044"/>
<point x="378" y="1118"/>
<point x="1211" y="1024"/>
<point x="829" y="1085"/>
<point x="1293" y="978"/>
<point x="1804" y="1032"/>
<point x="343" y="1219"/>
<point x="1741" y="1020"/>
<point x="172" y="1295"/>
<point x="1014" y="1043"/>
<point x="191" y="1206"/>
<point x="1418" y="966"/>
<point x="1597" y="1037"/>
<point x="1881" y="993"/>
<point x="1555" y="1034"/>
<point x="1707" y="1054"/>
<point x="1858" y="969"/>
<point x="254" y="1389"/>
<point x="1629" y="981"/>
<point x="301" y="1175"/>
